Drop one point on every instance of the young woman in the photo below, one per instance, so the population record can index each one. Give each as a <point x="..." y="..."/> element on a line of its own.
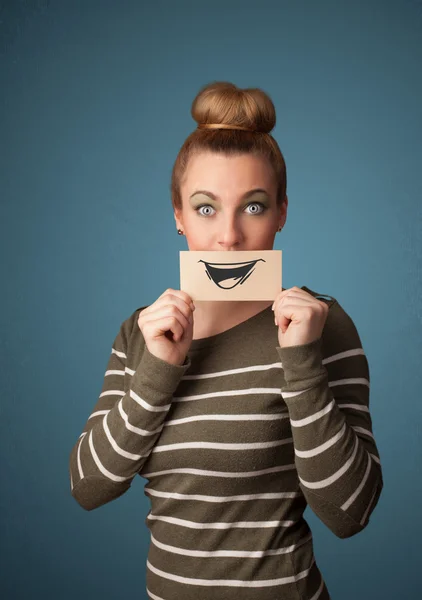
<point x="238" y="414"/>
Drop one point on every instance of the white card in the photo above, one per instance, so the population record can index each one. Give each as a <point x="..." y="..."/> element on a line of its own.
<point x="237" y="275"/>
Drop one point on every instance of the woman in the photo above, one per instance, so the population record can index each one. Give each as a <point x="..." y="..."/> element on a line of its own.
<point x="238" y="414"/>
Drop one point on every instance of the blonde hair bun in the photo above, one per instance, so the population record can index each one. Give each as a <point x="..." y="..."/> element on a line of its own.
<point x="222" y="102"/>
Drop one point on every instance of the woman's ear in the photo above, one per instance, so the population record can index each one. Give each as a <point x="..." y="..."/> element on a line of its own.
<point x="283" y="212"/>
<point x="178" y="218"/>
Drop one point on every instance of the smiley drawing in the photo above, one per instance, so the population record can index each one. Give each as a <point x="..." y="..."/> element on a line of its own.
<point x="228" y="275"/>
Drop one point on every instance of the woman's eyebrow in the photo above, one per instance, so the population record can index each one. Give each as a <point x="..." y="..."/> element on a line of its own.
<point x="214" y="197"/>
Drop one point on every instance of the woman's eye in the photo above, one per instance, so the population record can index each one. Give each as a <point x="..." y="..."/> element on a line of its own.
<point x="205" y="210"/>
<point x="256" y="208"/>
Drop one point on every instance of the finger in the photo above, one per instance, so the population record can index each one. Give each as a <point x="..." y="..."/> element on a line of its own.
<point x="279" y="296"/>
<point x="158" y="327"/>
<point x="294" y="291"/>
<point x="183" y="295"/>
<point x="168" y="299"/>
<point x="296" y="301"/>
<point x="288" y="292"/>
<point x="283" y="321"/>
<point x="169" y="310"/>
<point x="173" y="300"/>
<point x="292" y="299"/>
<point x="288" y="310"/>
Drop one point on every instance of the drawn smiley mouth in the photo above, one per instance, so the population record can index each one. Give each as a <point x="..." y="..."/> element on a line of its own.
<point x="228" y="275"/>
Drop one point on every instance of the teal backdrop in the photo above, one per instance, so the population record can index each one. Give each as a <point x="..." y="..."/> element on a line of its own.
<point x="95" y="103"/>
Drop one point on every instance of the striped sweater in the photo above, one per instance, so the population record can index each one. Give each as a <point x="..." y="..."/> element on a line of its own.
<point x="233" y="445"/>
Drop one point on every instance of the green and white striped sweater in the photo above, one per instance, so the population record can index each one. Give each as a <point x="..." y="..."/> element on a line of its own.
<point x="233" y="445"/>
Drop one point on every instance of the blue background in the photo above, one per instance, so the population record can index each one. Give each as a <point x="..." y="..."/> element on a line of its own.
<point x="95" y="103"/>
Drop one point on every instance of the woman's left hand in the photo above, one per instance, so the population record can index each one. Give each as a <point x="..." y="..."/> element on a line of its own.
<point x="299" y="316"/>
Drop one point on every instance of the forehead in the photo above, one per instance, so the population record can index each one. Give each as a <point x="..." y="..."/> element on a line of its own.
<point x="217" y="172"/>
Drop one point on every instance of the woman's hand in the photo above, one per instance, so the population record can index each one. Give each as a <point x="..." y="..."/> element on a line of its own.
<point x="167" y="326"/>
<point x="300" y="317"/>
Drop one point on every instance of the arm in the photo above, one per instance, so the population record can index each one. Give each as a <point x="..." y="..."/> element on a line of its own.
<point x="327" y="395"/>
<point x="123" y="427"/>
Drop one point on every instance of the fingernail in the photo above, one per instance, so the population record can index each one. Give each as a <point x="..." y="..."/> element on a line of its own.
<point x="192" y="306"/>
<point x="275" y="321"/>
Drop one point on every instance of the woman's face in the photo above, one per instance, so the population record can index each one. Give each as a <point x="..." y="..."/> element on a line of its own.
<point x="220" y="210"/>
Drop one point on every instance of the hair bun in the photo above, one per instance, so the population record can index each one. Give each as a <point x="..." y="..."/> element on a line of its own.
<point x="223" y="103"/>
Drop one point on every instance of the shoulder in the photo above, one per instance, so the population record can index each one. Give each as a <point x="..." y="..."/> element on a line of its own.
<point x="129" y="327"/>
<point x="340" y="331"/>
<point x="323" y="297"/>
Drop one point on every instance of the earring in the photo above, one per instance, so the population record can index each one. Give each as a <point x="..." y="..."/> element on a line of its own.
<point x="279" y="229"/>
<point x="180" y="232"/>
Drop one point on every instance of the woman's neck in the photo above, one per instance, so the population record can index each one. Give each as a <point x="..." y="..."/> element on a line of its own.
<point x="214" y="316"/>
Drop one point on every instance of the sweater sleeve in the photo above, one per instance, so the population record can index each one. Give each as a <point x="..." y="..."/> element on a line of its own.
<point x="123" y="427"/>
<point x="327" y="394"/>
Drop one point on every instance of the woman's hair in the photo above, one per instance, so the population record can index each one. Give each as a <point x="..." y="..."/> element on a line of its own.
<point x="223" y="103"/>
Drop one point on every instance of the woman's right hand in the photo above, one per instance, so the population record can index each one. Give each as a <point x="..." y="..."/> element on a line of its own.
<point x="167" y="326"/>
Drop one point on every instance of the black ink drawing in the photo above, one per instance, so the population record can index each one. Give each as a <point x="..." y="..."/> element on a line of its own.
<point x="230" y="272"/>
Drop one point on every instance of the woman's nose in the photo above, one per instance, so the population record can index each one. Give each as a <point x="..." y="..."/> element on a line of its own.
<point x="230" y="234"/>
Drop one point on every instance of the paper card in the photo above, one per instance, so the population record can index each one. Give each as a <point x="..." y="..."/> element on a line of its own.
<point x="238" y="275"/>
